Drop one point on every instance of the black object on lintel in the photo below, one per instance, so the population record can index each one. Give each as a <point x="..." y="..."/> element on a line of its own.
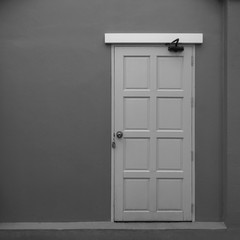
<point x="174" y="47"/>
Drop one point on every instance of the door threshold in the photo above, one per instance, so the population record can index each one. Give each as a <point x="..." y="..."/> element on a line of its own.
<point x="111" y="225"/>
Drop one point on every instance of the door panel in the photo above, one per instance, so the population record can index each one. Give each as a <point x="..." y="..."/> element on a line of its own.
<point x="169" y="153"/>
<point x="169" y="113"/>
<point x="136" y="79"/>
<point x="166" y="77"/>
<point x="136" y="194"/>
<point x="139" y="118"/>
<point x="152" y="107"/>
<point x="137" y="153"/>
<point x="169" y="194"/>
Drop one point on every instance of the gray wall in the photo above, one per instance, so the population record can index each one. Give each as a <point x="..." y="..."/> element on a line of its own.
<point x="233" y="114"/>
<point x="55" y="98"/>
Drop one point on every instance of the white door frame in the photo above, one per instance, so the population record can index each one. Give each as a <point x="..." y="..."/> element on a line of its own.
<point x="113" y="127"/>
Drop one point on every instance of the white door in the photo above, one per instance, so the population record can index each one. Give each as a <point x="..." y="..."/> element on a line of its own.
<point x="152" y="109"/>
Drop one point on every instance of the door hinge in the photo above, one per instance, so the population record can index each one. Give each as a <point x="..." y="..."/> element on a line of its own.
<point x="192" y="61"/>
<point x="192" y="207"/>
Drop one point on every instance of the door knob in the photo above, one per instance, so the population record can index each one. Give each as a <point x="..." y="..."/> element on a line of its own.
<point x="119" y="134"/>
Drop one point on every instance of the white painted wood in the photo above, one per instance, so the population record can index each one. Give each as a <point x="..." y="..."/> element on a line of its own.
<point x="136" y="194"/>
<point x="168" y="79"/>
<point x="169" y="153"/>
<point x="112" y="129"/>
<point x="193" y="133"/>
<point x="169" y="195"/>
<point x="169" y="113"/>
<point x="137" y="153"/>
<point x="152" y="162"/>
<point x="189" y="38"/>
<point x="136" y="113"/>
<point x="136" y="79"/>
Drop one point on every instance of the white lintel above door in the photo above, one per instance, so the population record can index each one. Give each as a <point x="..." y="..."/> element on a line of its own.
<point x="187" y="38"/>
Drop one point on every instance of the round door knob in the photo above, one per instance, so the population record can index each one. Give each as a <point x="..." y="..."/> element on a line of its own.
<point x="119" y="134"/>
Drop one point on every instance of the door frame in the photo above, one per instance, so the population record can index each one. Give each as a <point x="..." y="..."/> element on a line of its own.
<point x="113" y="46"/>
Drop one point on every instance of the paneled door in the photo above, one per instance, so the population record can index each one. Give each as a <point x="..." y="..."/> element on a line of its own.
<point x="153" y="133"/>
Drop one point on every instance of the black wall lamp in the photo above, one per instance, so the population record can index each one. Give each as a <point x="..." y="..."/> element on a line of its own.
<point x="174" y="47"/>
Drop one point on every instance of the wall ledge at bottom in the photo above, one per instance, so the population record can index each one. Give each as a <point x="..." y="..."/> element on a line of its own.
<point x="111" y="225"/>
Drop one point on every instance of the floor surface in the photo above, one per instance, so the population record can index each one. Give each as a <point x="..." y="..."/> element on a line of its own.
<point x="90" y="234"/>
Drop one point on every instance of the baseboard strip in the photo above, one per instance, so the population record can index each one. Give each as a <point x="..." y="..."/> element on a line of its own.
<point x="110" y="225"/>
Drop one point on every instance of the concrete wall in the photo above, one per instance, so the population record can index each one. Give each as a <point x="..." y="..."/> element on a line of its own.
<point x="55" y="98"/>
<point x="233" y="113"/>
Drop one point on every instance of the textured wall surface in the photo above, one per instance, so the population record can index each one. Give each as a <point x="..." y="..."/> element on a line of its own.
<point x="55" y="103"/>
<point x="233" y="116"/>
